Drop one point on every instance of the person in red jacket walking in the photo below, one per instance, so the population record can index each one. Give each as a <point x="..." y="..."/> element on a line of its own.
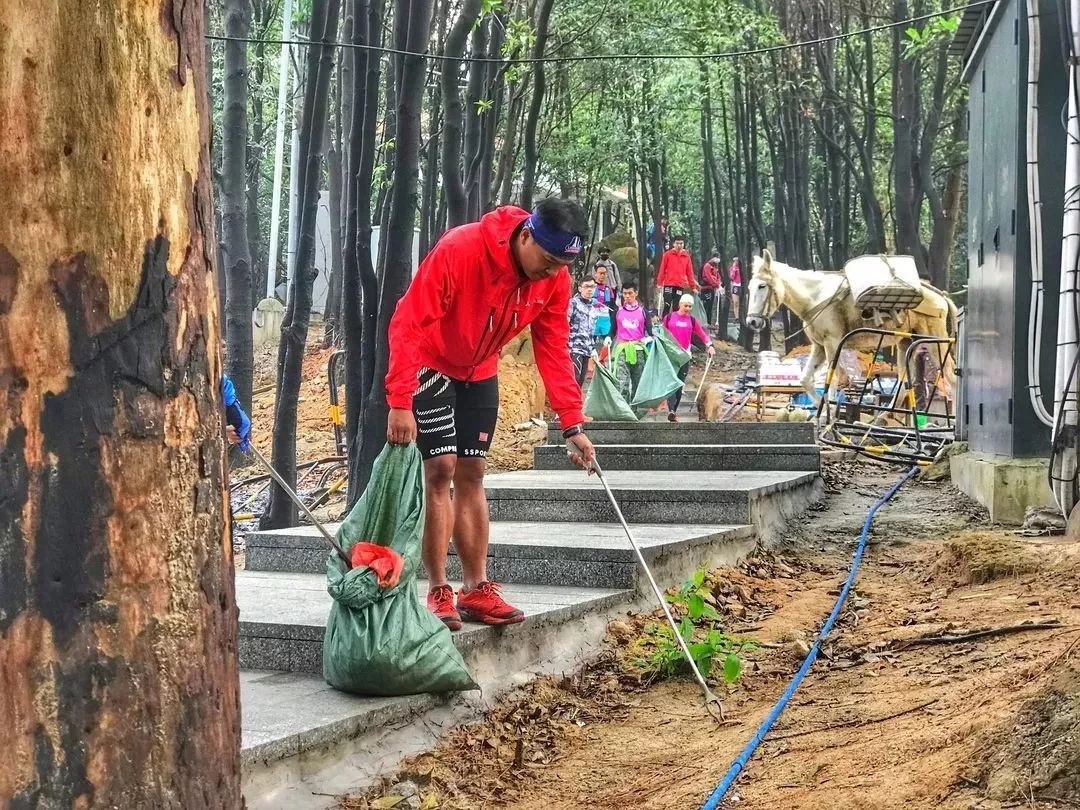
<point x="710" y="287"/>
<point x="676" y="274"/>
<point x="480" y="285"/>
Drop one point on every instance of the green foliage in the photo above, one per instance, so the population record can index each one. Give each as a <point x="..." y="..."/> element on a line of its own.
<point x="936" y="31"/>
<point x="700" y="629"/>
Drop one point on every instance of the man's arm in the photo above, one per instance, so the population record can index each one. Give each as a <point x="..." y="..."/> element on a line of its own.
<point x="692" y="282"/>
<point x="551" y="340"/>
<point x="661" y="269"/>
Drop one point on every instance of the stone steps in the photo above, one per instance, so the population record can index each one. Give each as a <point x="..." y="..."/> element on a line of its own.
<point x="586" y="555"/>
<point x="693" y="457"/>
<point x="666" y="497"/>
<point x="602" y="433"/>
<point x="283" y="617"/>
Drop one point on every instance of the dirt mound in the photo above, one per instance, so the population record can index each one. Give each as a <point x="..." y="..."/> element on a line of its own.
<point x="314" y="430"/>
<point x="521" y="397"/>
<point x="973" y="558"/>
<point x="1038" y="756"/>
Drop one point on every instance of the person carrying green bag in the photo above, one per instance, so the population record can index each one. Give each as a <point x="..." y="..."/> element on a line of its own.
<point x="683" y="328"/>
<point x="659" y="379"/>
<point x="632" y="333"/>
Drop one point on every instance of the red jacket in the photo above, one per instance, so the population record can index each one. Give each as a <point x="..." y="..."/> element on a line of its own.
<point x="710" y="276"/>
<point x="467" y="301"/>
<point x="676" y="270"/>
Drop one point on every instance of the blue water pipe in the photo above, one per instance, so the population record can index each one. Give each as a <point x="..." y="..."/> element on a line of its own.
<point x="740" y="761"/>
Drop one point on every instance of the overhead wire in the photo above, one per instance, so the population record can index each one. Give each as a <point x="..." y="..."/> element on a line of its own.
<point x="605" y="57"/>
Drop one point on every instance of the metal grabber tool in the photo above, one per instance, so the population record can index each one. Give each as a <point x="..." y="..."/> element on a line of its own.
<point x="712" y="702"/>
<point x="704" y="377"/>
<point x="303" y="508"/>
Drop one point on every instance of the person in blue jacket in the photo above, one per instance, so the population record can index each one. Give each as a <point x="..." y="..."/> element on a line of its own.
<point x="237" y="423"/>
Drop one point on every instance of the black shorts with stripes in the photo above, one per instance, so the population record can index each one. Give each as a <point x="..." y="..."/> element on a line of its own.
<point x="453" y="416"/>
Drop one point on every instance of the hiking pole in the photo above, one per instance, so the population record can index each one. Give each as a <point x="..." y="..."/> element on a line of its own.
<point x="303" y="508"/>
<point x="704" y="377"/>
<point x="711" y="700"/>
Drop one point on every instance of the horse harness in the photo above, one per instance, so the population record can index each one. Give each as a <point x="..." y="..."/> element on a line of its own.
<point x="815" y="311"/>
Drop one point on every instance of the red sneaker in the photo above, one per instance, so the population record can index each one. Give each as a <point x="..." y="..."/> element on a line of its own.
<point x="440" y="601"/>
<point x="485" y="604"/>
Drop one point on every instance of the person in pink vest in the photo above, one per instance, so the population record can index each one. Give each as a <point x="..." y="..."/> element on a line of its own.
<point x="684" y="327"/>
<point x="711" y="287"/>
<point x="735" y="279"/>
<point x="632" y="332"/>
<point x="676" y="274"/>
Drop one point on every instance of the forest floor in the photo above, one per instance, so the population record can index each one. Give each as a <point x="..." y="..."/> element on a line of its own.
<point x="892" y="714"/>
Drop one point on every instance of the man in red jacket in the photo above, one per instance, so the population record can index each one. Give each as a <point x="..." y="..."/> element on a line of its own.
<point x="480" y="285"/>
<point x="676" y="274"/>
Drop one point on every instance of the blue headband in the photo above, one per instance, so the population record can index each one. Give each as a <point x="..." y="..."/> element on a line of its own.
<point x="561" y="244"/>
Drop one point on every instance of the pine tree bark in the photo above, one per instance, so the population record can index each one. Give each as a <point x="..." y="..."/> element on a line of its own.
<point x="118" y="670"/>
<point x="239" y="359"/>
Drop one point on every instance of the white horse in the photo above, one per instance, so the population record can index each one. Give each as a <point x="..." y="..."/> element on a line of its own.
<point x="827" y="308"/>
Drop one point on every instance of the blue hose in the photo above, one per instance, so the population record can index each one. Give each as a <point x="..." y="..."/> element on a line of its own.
<point x="740" y="761"/>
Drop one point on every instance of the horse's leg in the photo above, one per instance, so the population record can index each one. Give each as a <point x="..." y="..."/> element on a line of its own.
<point x="831" y="350"/>
<point x="817" y="355"/>
<point x="903" y="375"/>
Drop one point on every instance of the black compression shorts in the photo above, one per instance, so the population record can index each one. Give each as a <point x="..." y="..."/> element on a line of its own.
<point x="453" y="416"/>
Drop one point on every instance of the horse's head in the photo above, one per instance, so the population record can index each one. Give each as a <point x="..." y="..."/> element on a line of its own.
<point x="763" y="293"/>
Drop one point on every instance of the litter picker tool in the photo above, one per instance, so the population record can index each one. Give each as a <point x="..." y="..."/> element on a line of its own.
<point x="704" y="377"/>
<point x="303" y="508"/>
<point x="712" y="702"/>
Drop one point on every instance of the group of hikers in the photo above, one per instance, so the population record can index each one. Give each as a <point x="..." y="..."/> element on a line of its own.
<point x="606" y="316"/>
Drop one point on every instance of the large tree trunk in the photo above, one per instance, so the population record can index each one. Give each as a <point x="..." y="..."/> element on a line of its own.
<point x="238" y="346"/>
<point x="536" y="103"/>
<point x="118" y="669"/>
<point x="281" y="511"/>
<point x="411" y="27"/>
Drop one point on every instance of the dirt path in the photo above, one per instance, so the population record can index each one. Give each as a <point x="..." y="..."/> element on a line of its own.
<point x="987" y="723"/>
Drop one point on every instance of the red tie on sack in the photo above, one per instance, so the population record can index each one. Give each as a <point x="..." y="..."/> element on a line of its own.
<point x="383" y="560"/>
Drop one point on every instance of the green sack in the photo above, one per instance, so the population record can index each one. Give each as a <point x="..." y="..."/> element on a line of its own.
<point x="384" y="641"/>
<point x="659" y="378"/>
<point x="603" y="401"/>
<point x="678" y="356"/>
<point x="698" y="311"/>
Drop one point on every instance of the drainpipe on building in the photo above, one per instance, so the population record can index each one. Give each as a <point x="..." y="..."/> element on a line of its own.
<point x="1064" y="458"/>
<point x="1034" y="198"/>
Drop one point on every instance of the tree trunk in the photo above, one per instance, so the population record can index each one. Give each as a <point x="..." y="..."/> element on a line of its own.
<point x="281" y="511"/>
<point x="905" y="112"/>
<point x="117" y="613"/>
<point x="453" y="114"/>
<point x="474" y="116"/>
<point x="238" y="346"/>
<point x="411" y="27"/>
<point x="532" y="157"/>
<point x="504" y="178"/>
<point x="332" y="309"/>
<point x="359" y="284"/>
